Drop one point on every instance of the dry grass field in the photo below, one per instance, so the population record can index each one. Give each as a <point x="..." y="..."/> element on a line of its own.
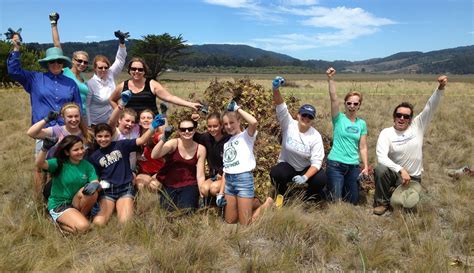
<point x="439" y="237"/>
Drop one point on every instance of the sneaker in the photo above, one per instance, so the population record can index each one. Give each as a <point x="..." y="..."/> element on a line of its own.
<point x="379" y="210"/>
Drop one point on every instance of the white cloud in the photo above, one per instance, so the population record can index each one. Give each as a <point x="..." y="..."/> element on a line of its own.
<point x="298" y="2"/>
<point x="230" y="3"/>
<point x="91" y="37"/>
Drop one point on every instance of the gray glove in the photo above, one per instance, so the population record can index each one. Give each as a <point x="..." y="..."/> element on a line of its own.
<point x="163" y="109"/>
<point x="220" y="200"/>
<point x="53" y="18"/>
<point x="299" y="179"/>
<point x="121" y="36"/>
<point x="168" y="132"/>
<point x="90" y="188"/>
<point x="49" y="143"/>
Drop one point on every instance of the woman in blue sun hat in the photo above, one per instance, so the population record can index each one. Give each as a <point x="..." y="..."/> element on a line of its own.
<point x="349" y="145"/>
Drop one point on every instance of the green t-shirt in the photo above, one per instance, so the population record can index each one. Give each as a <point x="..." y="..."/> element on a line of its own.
<point x="69" y="181"/>
<point x="83" y="89"/>
<point x="346" y="137"/>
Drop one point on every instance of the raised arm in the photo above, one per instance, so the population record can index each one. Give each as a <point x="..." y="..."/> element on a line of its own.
<point x="40" y="160"/>
<point x="332" y="92"/>
<point x="54" y="18"/>
<point x="163" y="94"/>
<point x="115" y="96"/>
<point x="277" y="97"/>
<point x="427" y="114"/>
<point x="119" y="61"/>
<point x="251" y="120"/>
<point x="155" y="124"/>
<point x="38" y="131"/>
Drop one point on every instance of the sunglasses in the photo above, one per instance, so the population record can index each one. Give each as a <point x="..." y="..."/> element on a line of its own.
<point x="56" y="62"/>
<point x="79" y="61"/>
<point x="404" y="116"/>
<point x="139" y="69"/>
<point x="349" y="103"/>
<point x="186" y="129"/>
<point x="102" y="67"/>
<point x="307" y="116"/>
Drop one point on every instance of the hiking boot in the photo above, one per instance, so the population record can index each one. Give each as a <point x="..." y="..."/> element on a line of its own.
<point x="380" y="210"/>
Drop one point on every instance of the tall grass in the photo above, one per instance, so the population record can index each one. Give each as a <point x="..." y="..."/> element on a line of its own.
<point x="438" y="237"/>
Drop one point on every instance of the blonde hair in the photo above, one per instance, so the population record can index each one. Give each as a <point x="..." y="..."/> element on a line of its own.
<point x="80" y="52"/>
<point x="353" y="93"/>
<point x="87" y="138"/>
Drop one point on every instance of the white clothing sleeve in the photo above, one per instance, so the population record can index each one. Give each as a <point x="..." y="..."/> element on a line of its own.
<point x="382" y="150"/>
<point x="317" y="154"/>
<point x="425" y="117"/>
<point x="283" y="116"/>
<point x="119" y="62"/>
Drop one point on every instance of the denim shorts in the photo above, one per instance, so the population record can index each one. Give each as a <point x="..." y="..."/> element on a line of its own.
<point x="115" y="192"/>
<point x="59" y="210"/>
<point x="240" y="184"/>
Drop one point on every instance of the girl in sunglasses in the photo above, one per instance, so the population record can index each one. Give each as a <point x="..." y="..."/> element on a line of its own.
<point x="183" y="172"/>
<point x="145" y="90"/>
<point x="302" y="150"/>
<point x="349" y="145"/>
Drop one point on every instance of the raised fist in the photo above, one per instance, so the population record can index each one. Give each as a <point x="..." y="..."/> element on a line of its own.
<point x="168" y="132"/>
<point x="52" y="115"/>
<point x="121" y="36"/>
<point x="53" y="18"/>
<point x="232" y="106"/>
<point x="277" y="82"/>
<point x="49" y="143"/>
<point x="125" y="97"/>
<point x="157" y="122"/>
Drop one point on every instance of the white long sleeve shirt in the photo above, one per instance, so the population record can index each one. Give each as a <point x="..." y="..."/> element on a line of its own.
<point x="403" y="149"/>
<point x="300" y="150"/>
<point x="97" y="103"/>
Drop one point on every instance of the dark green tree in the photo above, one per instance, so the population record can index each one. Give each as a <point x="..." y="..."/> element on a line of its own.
<point x="29" y="61"/>
<point x="159" y="51"/>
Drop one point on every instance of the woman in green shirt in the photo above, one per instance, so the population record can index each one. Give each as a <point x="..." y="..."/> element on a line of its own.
<point x="74" y="183"/>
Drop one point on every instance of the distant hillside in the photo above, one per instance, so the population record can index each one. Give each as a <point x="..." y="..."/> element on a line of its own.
<point x="458" y="60"/>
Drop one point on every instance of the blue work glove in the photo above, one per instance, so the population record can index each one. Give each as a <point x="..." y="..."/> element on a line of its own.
<point x="49" y="143"/>
<point x="157" y="122"/>
<point x="163" y="109"/>
<point x="220" y="200"/>
<point x="214" y="178"/>
<point x="167" y="134"/>
<point x="125" y="96"/>
<point x="277" y="82"/>
<point x="232" y="106"/>
<point x="53" y="18"/>
<point x="10" y="33"/>
<point x="299" y="179"/>
<point x="121" y="36"/>
<point x="90" y="188"/>
<point x="52" y="115"/>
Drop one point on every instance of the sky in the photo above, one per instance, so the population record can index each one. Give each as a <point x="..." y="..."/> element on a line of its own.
<point x="305" y="29"/>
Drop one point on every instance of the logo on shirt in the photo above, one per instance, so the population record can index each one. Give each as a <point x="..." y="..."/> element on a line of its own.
<point x="230" y="154"/>
<point x="352" y="129"/>
<point x="110" y="159"/>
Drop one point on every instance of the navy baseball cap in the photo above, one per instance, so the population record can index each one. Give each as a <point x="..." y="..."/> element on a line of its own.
<point x="307" y="109"/>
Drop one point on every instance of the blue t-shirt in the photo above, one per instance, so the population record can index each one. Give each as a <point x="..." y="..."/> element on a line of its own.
<point x="113" y="162"/>
<point x="346" y="134"/>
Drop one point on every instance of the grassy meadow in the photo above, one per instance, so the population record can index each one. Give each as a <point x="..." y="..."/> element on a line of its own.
<point x="439" y="237"/>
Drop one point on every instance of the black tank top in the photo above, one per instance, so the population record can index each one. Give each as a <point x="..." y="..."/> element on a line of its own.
<point x="142" y="100"/>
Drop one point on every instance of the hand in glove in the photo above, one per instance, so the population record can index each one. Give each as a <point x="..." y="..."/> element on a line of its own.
<point x="220" y="200"/>
<point x="10" y="35"/>
<point x="48" y="143"/>
<point x="163" y="109"/>
<point x="157" y="122"/>
<point x="121" y="36"/>
<point x="53" y="18"/>
<point x="168" y="132"/>
<point x="299" y="179"/>
<point x="90" y="188"/>
<point x="52" y="115"/>
<point x="232" y="106"/>
<point x="125" y="97"/>
<point x="277" y="82"/>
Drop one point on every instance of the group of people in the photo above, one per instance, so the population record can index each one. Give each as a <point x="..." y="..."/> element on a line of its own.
<point x="100" y="142"/>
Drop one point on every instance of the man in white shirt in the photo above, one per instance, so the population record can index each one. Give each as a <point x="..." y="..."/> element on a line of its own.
<point x="399" y="148"/>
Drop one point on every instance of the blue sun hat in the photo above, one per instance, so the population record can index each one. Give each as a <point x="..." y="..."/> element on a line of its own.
<point x="307" y="109"/>
<point x="55" y="53"/>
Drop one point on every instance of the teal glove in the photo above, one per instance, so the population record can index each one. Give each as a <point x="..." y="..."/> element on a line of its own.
<point x="157" y="122"/>
<point x="277" y="82"/>
<point x="232" y="106"/>
<point x="125" y="97"/>
<point x="220" y="200"/>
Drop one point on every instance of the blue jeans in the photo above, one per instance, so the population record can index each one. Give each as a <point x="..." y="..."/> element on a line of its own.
<point x="343" y="181"/>
<point x="116" y="192"/>
<point x="186" y="197"/>
<point x="240" y="184"/>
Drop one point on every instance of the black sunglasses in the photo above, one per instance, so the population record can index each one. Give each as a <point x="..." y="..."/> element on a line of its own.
<point x="349" y="103"/>
<point x="102" y="67"/>
<point x="186" y="129"/>
<point x="307" y="116"/>
<point x="58" y="61"/>
<point x="400" y="115"/>
<point x="79" y="61"/>
<point x="139" y="69"/>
